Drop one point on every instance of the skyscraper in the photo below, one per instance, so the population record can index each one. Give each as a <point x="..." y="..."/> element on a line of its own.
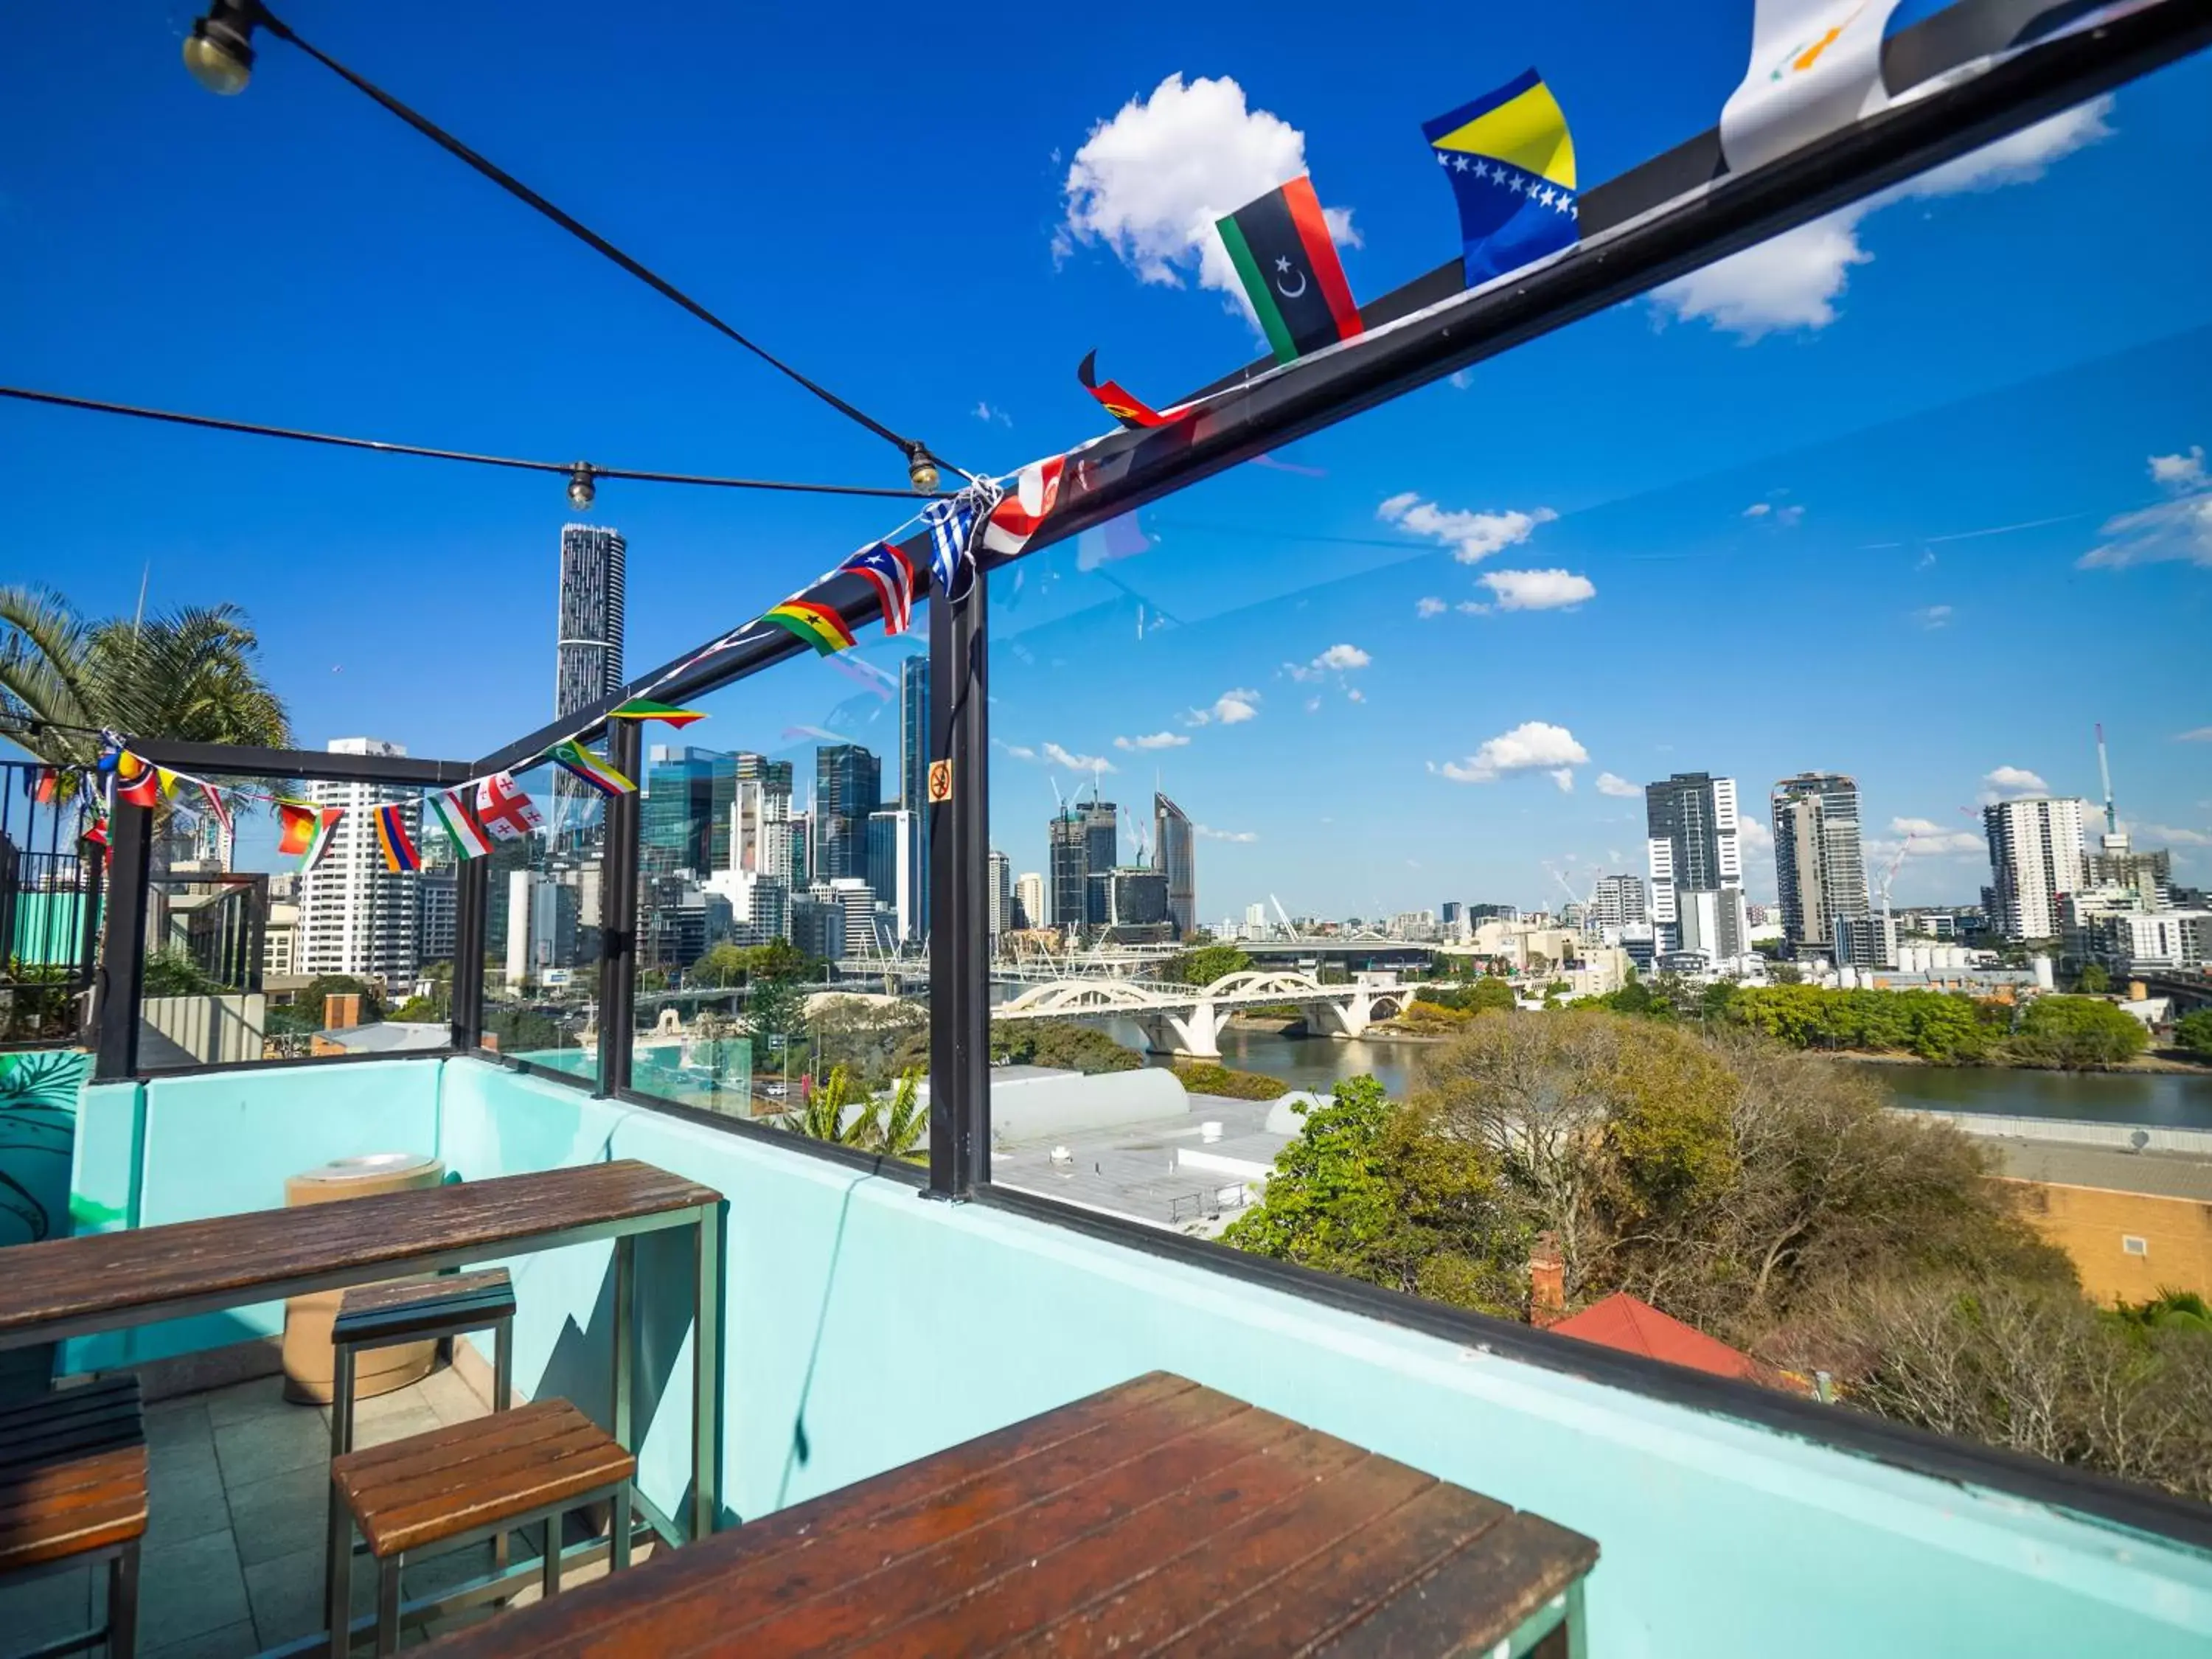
<point x="1102" y="821"/>
<point x="2035" y="854"/>
<point x="1177" y="859"/>
<point x="683" y="819"/>
<point x="1819" y="862"/>
<point x="1618" y="901"/>
<point x="895" y="872"/>
<point x="590" y="639"/>
<point x="356" y="916"/>
<point x="759" y="822"/>
<point x="913" y="774"/>
<point x="998" y="893"/>
<point x="1068" y="852"/>
<point x="849" y="786"/>
<point x="1029" y="901"/>
<point x="1690" y="823"/>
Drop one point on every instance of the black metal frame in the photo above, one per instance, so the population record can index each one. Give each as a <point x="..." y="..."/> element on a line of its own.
<point x="1675" y="214"/>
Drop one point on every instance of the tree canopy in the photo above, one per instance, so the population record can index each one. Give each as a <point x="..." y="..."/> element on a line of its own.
<point x="1205" y="963"/>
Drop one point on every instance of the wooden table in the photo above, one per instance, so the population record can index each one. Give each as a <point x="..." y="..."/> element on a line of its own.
<point x="1157" y="1517"/>
<point x="69" y="1287"/>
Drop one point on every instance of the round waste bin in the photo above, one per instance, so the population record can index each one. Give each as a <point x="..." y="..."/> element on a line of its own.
<point x="307" y="1318"/>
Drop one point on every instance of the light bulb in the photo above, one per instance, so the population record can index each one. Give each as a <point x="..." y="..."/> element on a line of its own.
<point x="220" y="50"/>
<point x="922" y="471"/>
<point x="581" y="491"/>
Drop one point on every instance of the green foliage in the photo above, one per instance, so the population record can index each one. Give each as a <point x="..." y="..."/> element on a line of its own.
<point x="310" y="1000"/>
<point x="842" y="1112"/>
<point x="1944" y="1028"/>
<point x="1487" y="995"/>
<point x="423" y="1010"/>
<point x="1206" y="1078"/>
<point x="1060" y="1043"/>
<point x="170" y="972"/>
<point x="2192" y="1033"/>
<point x="1367" y="1191"/>
<point x="2093" y="981"/>
<point x="2076" y="1033"/>
<point x="521" y="1030"/>
<point x="1206" y="963"/>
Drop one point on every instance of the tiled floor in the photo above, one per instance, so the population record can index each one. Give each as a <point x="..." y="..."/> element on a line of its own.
<point x="232" y="1561"/>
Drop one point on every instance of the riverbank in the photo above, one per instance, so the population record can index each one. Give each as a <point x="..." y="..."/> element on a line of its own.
<point x="2164" y="1062"/>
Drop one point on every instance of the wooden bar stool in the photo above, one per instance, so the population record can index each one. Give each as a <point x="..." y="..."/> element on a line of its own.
<point x="471" y="1481"/>
<point x="73" y="1485"/>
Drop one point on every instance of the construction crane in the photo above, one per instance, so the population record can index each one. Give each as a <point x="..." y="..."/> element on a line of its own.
<point x="1890" y="875"/>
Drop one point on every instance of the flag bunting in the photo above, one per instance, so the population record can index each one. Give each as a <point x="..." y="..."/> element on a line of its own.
<point x="1511" y="163"/>
<point x="305" y="829"/>
<point x="136" y="780"/>
<point x="394" y="842"/>
<point x="504" y="810"/>
<point x="952" y="564"/>
<point x="1287" y="259"/>
<point x="581" y="763"/>
<point x="215" y="804"/>
<point x="814" y="622"/>
<point x="1124" y="405"/>
<point x="644" y="708"/>
<point x="887" y="570"/>
<point x="449" y="808"/>
<point x="1022" y="509"/>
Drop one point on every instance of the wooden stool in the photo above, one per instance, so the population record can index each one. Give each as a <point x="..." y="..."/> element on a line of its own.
<point x="73" y="1482"/>
<point x="469" y="1482"/>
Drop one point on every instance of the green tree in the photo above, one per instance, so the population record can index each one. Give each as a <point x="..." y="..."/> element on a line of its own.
<point x="193" y="675"/>
<point x="775" y="1012"/>
<point x="2192" y="1033"/>
<point x="1206" y="963"/>
<point x="842" y="1112"/>
<point x="2076" y="1033"/>
<point x="1207" y="1078"/>
<point x="723" y="964"/>
<point x="170" y="972"/>
<point x="1490" y="995"/>
<point x="2093" y="981"/>
<point x="312" y="996"/>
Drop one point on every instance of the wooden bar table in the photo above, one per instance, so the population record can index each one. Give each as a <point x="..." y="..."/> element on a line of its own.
<point x="67" y="1287"/>
<point x="1159" y="1517"/>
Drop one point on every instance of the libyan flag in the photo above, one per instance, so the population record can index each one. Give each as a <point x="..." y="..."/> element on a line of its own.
<point x="1282" y="251"/>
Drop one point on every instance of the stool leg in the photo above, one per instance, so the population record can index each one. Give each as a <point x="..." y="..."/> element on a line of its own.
<point x="618" y="1534"/>
<point x="387" y="1605"/>
<point x="337" y="1581"/>
<point x="335" y="1613"/>
<point x="503" y="1394"/>
<point x="123" y="1602"/>
<point x="550" y="1582"/>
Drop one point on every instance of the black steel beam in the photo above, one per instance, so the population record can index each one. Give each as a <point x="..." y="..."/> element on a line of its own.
<point x="618" y="916"/>
<point x="471" y="891"/>
<point x="959" y="938"/>
<point x="121" y="981"/>
<point x="222" y="760"/>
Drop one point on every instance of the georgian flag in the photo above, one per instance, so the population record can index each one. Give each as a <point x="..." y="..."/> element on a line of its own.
<point x="1023" y="507"/>
<point x="504" y="810"/>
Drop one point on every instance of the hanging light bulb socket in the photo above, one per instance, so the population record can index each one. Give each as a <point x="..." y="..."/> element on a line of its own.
<point x="581" y="491"/>
<point x="219" y="52"/>
<point x="921" y="469"/>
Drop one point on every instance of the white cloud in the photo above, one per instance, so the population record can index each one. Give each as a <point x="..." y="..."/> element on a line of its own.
<point x="1337" y="659"/>
<point x="1060" y="757"/>
<point x="1232" y="708"/>
<point x="1472" y="536"/>
<point x="1471" y="608"/>
<point x="1611" y="784"/>
<point x="1787" y="516"/>
<point x="1928" y="839"/>
<point x="2202" y="734"/>
<point x="2180" y="471"/>
<point x="1564" y="777"/>
<point x="1794" y="280"/>
<point x="1758" y="510"/>
<point x="1932" y="617"/>
<point x="1206" y="832"/>
<point x="991" y="416"/>
<point x="1430" y="607"/>
<point x="1149" y="183"/>
<point x="1532" y="746"/>
<point x="1755" y="834"/>
<point x="2007" y="781"/>
<point x="1355" y="695"/>
<point x="2175" y="835"/>
<point x="1152" y="740"/>
<point x="1539" y="590"/>
<point x="1019" y="752"/>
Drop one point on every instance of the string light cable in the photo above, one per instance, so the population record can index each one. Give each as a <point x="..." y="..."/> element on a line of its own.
<point x="581" y="474"/>
<point x="220" y="55"/>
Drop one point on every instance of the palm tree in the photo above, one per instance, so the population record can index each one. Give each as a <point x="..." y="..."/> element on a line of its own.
<point x="192" y="675"/>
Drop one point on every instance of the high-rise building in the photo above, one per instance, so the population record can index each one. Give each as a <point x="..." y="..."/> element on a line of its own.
<point x="1101" y="821"/>
<point x="913" y="733"/>
<point x="1177" y="859"/>
<point x="849" y="786"/>
<point x="437" y="917"/>
<point x="542" y="924"/>
<point x="1447" y="912"/>
<point x="998" y="893"/>
<point x="1819" y="862"/>
<point x="760" y="830"/>
<point x="2035" y="854"/>
<point x="894" y="869"/>
<point x="589" y="650"/>
<point x="1618" y="901"/>
<point x="1130" y="904"/>
<point x="356" y="916"/>
<point x="1028" y="900"/>
<point x="1068" y="852"/>
<point x="683" y="813"/>
<point x="1690" y="823"/>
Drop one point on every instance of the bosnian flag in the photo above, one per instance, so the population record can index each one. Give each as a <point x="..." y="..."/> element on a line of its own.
<point x="887" y="570"/>
<point x="1023" y="507"/>
<point x="505" y="810"/>
<point x="450" y="812"/>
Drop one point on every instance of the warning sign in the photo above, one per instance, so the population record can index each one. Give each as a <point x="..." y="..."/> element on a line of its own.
<point x="940" y="781"/>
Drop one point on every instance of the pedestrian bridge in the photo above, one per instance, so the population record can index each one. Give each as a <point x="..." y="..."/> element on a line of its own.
<point x="1187" y="1019"/>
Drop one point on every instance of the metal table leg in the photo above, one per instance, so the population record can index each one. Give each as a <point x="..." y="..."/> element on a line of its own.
<point x="707" y="1375"/>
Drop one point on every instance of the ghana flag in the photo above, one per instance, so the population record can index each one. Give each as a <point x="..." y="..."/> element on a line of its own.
<point x="1281" y="248"/>
<point x="817" y="624"/>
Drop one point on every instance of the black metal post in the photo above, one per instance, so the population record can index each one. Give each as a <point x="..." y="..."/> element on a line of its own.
<point x="619" y="880"/>
<point x="121" y="979"/>
<point x="471" y="891"/>
<point x="92" y="885"/>
<point x="958" y="812"/>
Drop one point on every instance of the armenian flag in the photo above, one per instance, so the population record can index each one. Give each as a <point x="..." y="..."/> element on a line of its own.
<point x="644" y="708"/>
<point x="814" y="622"/>
<point x="890" y="573"/>
<point x="581" y="763"/>
<point x="136" y="780"/>
<point x="394" y="842"/>
<point x="449" y="809"/>
<point x="1511" y="163"/>
<point x="306" y="831"/>
<point x="1287" y="261"/>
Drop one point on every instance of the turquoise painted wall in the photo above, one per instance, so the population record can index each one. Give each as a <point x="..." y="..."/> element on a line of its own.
<point x="1719" y="1538"/>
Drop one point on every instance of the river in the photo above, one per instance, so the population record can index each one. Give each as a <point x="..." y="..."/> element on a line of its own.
<point x="2173" y="1099"/>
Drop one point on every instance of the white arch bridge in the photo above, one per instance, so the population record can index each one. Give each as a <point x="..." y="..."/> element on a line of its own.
<point x="1187" y="1019"/>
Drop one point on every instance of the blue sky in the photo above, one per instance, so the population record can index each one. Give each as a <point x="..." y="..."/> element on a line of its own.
<point x="2021" y="344"/>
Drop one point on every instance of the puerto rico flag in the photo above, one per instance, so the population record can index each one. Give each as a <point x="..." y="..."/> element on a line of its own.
<point x="887" y="570"/>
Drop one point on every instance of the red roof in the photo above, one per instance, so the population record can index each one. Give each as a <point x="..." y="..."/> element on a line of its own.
<point x="1622" y="1321"/>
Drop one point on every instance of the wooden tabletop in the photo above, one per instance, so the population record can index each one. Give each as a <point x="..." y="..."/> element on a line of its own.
<point x="1157" y="1517"/>
<point x="68" y="1286"/>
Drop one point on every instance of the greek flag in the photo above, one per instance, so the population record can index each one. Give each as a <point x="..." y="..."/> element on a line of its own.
<point x="951" y="567"/>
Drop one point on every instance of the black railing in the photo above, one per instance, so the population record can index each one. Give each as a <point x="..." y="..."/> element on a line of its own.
<point x="51" y="886"/>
